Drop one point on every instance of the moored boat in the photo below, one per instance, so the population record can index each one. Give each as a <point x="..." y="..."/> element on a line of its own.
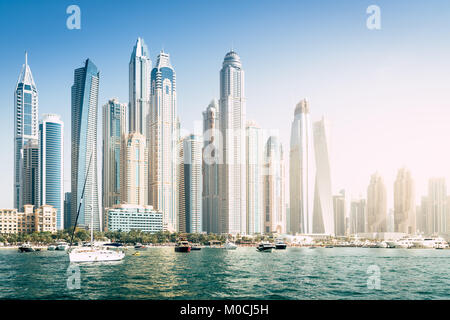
<point x="230" y="245"/>
<point x="51" y="248"/>
<point x="182" y="246"/>
<point x="26" y="248"/>
<point x="265" y="247"/>
<point x="62" y="246"/>
<point x="280" y="245"/>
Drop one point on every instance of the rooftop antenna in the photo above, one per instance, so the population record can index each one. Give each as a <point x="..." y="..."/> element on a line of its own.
<point x="26" y="58"/>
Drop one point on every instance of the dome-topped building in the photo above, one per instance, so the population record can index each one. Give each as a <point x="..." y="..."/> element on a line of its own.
<point x="232" y="58"/>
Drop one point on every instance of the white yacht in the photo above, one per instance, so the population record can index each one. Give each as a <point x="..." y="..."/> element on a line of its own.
<point x="419" y="242"/>
<point x="230" y="245"/>
<point x="63" y="246"/>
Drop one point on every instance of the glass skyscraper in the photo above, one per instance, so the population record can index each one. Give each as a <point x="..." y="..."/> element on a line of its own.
<point x="84" y="145"/>
<point x="233" y="187"/>
<point x="25" y="125"/>
<point x="163" y="142"/>
<point x="114" y="133"/>
<point x="139" y="90"/>
<point x="51" y="139"/>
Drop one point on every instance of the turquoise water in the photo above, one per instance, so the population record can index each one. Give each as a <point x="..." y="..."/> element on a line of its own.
<point x="297" y="273"/>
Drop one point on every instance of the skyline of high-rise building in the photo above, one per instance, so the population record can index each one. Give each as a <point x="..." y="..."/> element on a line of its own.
<point x="210" y="168"/>
<point x="302" y="171"/>
<point x="323" y="220"/>
<point x="51" y="165"/>
<point x="404" y="203"/>
<point x="26" y="104"/>
<point x="163" y="138"/>
<point x="232" y="179"/>
<point x="139" y="88"/>
<point x="254" y="149"/>
<point x="84" y="146"/>
<point x="274" y="187"/>
<point x="114" y="133"/>
<point x="377" y="214"/>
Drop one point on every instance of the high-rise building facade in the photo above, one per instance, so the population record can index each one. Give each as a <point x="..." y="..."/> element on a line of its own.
<point x="302" y="171"/>
<point x="114" y="134"/>
<point x="339" y="208"/>
<point x="67" y="208"/>
<point x="139" y="88"/>
<point x="274" y="184"/>
<point x="163" y="141"/>
<point x="358" y="216"/>
<point x="404" y="203"/>
<point x="376" y="205"/>
<point x="191" y="184"/>
<point x="254" y="148"/>
<point x="232" y="111"/>
<point x="436" y="213"/>
<point x="135" y="170"/>
<point x="210" y="168"/>
<point x="25" y="125"/>
<point x="84" y="146"/>
<point x="323" y="221"/>
<point x="51" y="165"/>
<point x="30" y="173"/>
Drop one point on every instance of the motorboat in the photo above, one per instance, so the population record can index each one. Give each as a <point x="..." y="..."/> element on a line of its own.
<point x="51" y="248"/>
<point x="265" y="247"/>
<point x="280" y="245"/>
<point x="26" y="248"/>
<point x="62" y="246"/>
<point x="182" y="246"/>
<point x="230" y="245"/>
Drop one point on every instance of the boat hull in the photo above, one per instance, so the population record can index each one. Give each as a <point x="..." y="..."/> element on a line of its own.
<point x="95" y="256"/>
<point x="280" y="246"/>
<point x="182" y="249"/>
<point x="22" y="249"/>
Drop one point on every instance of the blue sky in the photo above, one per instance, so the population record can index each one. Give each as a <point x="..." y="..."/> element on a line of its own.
<point x="385" y="92"/>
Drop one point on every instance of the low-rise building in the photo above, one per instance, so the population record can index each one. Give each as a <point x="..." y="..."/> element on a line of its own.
<point x="43" y="219"/>
<point x="127" y="217"/>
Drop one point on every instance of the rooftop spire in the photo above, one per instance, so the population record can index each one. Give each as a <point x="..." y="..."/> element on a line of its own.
<point x="26" y="58"/>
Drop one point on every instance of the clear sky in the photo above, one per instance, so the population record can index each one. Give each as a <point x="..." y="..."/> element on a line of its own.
<point x="386" y="92"/>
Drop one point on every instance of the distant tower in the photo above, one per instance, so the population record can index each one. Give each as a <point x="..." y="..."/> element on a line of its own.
<point x="302" y="171"/>
<point x="323" y="221"/>
<point x="210" y="168"/>
<point x="163" y="142"/>
<point x="376" y="205"/>
<point x="404" y="203"/>
<point x="232" y="126"/>
<point x="274" y="182"/>
<point x="84" y="145"/>
<point x="139" y="88"/>
<point x="191" y="184"/>
<point x="25" y="125"/>
<point x="51" y="167"/>
<point x="436" y="213"/>
<point x="255" y="178"/>
<point x="339" y="209"/>
<point x="114" y="133"/>
<point x="358" y="216"/>
<point x="135" y="170"/>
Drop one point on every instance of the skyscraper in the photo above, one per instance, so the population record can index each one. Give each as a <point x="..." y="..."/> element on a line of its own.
<point x="404" y="203"/>
<point x="191" y="180"/>
<point x="376" y="205"/>
<point x="84" y="145"/>
<point x="233" y="191"/>
<point x="302" y="171"/>
<point x="422" y="216"/>
<point x="135" y="170"/>
<point x="114" y="134"/>
<point x="163" y="141"/>
<point x="323" y="221"/>
<point x="67" y="207"/>
<point x="255" y="178"/>
<point x="139" y="88"/>
<point x="25" y="125"/>
<point x="51" y="165"/>
<point x="339" y="208"/>
<point x="437" y="197"/>
<point x="210" y="168"/>
<point x="30" y="171"/>
<point x="274" y="183"/>
<point x="358" y="216"/>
